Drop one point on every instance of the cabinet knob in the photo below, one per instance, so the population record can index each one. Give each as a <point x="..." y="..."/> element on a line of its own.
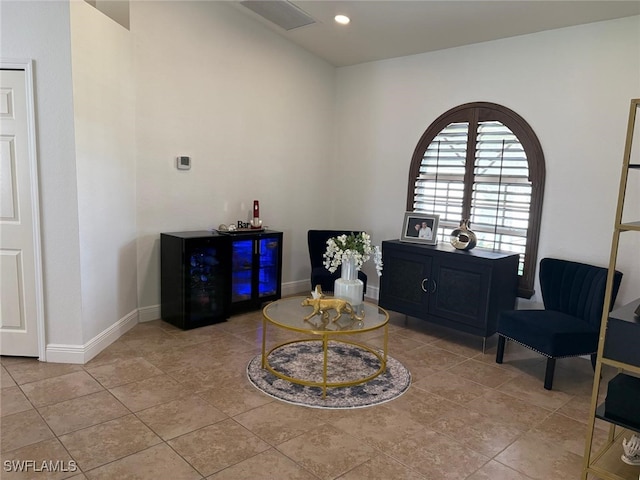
<point x="434" y="286"/>
<point x="422" y="285"/>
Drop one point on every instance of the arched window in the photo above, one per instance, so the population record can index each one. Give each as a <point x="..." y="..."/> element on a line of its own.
<point x="483" y="162"/>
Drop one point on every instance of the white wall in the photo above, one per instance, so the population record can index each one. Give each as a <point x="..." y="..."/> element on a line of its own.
<point x="254" y="113"/>
<point x="572" y="85"/>
<point x="40" y="31"/>
<point x="104" y="108"/>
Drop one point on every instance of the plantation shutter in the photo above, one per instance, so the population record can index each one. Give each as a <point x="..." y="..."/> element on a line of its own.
<point x="501" y="190"/>
<point x="439" y="187"/>
<point x="483" y="162"/>
<point x="498" y="205"/>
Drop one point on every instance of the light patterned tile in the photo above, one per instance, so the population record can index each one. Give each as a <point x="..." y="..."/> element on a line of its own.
<point x="159" y="323"/>
<point x="485" y="374"/>
<point x="181" y="416"/>
<point x="82" y="412"/>
<point x="437" y="456"/>
<point x="33" y="370"/>
<point x="496" y="471"/>
<point x="125" y="371"/>
<point x="382" y="467"/>
<point x="424" y="361"/>
<point x="104" y="443"/>
<point x="184" y="358"/>
<point x="7" y="360"/>
<point x="541" y="460"/>
<point x="156" y="462"/>
<point x="380" y="427"/>
<point x="422" y="408"/>
<point x="116" y="352"/>
<point x="530" y="389"/>
<point x="23" y="428"/>
<point x="147" y="393"/>
<point x="395" y="343"/>
<point x="235" y="399"/>
<point x="579" y="407"/>
<point x="509" y="410"/>
<point x="277" y="422"/>
<point x="486" y="435"/>
<point x="58" y="389"/>
<point x="213" y="375"/>
<point x="213" y="448"/>
<point x="5" y="378"/>
<point x="268" y="464"/>
<point x="446" y="415"/>
<point x="450" y="386"/>
<point x="327" y="451"/>
<point x="568" y="434"/>
<point x="12" y="400"/>
<point x="457" y="342"/>
<point x="517" y="358"/>
<point x="46" y="460"/>
<point x="146" y="344"/>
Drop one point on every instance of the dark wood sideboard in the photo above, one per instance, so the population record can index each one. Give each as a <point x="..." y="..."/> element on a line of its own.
<point x="464" y="290"/>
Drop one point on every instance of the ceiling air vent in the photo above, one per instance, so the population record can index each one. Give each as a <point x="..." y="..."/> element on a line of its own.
<point x="284" y="14"/>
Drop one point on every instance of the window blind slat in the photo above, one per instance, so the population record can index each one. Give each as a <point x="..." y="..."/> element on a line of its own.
<point x="501" y="195"/>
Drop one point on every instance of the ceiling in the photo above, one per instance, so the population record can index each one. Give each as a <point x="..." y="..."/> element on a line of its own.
<point x="382" y="29"/>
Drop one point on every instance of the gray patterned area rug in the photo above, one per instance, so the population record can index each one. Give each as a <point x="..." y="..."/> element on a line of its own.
<point x="345" y="363"/>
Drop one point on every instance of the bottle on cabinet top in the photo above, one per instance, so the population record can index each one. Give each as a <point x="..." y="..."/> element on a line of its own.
<point x="255" y="221"/>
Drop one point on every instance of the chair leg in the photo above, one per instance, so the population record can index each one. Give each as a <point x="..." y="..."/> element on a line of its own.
<point x="500" y="351"/>
<point x="548" y="376"/>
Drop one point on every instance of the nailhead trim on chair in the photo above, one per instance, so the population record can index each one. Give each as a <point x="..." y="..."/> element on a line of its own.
<point x="541" y="353"/>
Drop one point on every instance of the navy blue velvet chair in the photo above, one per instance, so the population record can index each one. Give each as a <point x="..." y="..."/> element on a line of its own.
<point x="317" y="240"/>
<point x="573" y="295"/>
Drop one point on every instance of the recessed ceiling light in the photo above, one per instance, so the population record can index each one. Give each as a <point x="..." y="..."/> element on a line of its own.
<point x="342" y="19"/>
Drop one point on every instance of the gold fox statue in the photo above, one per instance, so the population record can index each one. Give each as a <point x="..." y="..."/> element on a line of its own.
<point x="321" y="305"/>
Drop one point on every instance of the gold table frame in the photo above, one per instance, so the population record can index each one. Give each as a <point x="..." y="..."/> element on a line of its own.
<point x="291" y="315"/>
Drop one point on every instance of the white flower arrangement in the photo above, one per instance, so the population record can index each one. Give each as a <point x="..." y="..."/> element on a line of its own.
<point x="358" y="246"/>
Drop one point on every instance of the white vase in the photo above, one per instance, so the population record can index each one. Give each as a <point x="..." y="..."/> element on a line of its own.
<point x="349" y="287"/>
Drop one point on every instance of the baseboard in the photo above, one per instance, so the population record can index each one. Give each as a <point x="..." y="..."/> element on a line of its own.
<point x="298" y="287"/>
<point x="147" y="314"/>
<point x="373" y="293"/>
<point x="81" y="354"/>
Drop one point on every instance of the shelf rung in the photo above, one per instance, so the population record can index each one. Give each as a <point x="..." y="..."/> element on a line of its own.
<point x="629" y="226"/>
<point x="621" y="365"/>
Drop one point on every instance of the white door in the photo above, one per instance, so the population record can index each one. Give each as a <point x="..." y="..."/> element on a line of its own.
<point x="20" y="267"/>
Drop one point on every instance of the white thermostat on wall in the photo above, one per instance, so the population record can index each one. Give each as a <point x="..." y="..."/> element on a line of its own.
<point x="183" y="163"/>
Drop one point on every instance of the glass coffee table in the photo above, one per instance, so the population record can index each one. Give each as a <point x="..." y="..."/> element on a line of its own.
<point x="289" y="314"/>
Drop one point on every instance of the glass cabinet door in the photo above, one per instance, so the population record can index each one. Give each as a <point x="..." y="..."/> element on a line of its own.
<point x="255" y="270"/>
<point x="205" y="280"/>
<point x="241" y="270"/>
<point x="268" y="266"/>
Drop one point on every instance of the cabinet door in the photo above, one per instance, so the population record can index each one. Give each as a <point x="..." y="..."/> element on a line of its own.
<point x="268" y="267"/>
<point x="242" y="270"/>
<point x="461" y="291"/>
<point x="256" y="271"/>
<point x="205" y="277"/>
<point x="405" y="281"/>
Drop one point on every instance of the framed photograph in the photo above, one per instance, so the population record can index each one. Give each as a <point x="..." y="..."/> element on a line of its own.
<point x="420" y="228"/>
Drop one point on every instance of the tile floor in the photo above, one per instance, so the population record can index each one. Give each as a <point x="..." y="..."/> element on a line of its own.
<point x="165" y="403"/>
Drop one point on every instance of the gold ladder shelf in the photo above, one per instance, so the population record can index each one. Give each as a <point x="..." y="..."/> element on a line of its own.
<point x="619" y="343"/>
